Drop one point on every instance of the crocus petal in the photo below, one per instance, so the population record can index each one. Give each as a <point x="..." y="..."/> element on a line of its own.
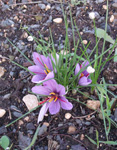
<point x="65" y="104"/>
<point x="38" y="78"/>
<point x="84" y="81"/>
<point x="77" y="69"/>
<point x="42" y="112"/>
<point x="61" y="90"/>
<point x="54" y="107"/>
<point x="40" y="60"/>
<point x="36" y="69"/>
<point x="85" y="64"/>
<point x="50" y="75"/>
<point x="52" y="85"/>
<point x="42" y="90"/>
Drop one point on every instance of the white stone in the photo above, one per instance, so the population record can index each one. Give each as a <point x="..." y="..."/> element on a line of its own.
<point x="2" y="70"/>
<point x="84" y="42"/>
<point x="31" y="101"/>
<point x="67" y="116"/>
<point x="58" y="20"/>
<point x="92" y="15"/>
<point x="2" y="112"/>
<point x="112" y="18"/>
<point x="30" y="38"/>
<point x="90" y="69"/>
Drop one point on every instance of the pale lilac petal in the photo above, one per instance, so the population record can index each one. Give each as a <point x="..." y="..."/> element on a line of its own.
<point x="54" y="107"/>
<point x="77" y="69"/>
<point x="42" y="90"/>
<point x="52" y="85"/>
<point x="38" y="78"/>
<point x="61" y="90"/>
<point x="50" y="75"/>
<point x="42" y="112"/>
<point x="39" y="60"/>
<point x="36" y="69"/>
<point x="85" y="64"/>
<point x="84" y="81"/>
<point x="65" y="104"/>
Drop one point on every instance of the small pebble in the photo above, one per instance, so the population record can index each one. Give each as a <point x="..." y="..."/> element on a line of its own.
<point x="105" y="7"/>
<point x="86" y="95"/>
<point x="71" y="130"/>
<point x="7" y="96"/>
<point x="112" y="18"/>
<point x="57" y="20"/>
<point x="84" y="42"/>
<point x="30" y="38"/>
<point x="2" y="71"/>
<point x="17" y="114"/>
<point x="87" y="123"/>
<point x="67" y="115"/>
<point x="46" y="123"/>
<point x="93" y="104"/>
<point x="42" y="6"/>
<point x="30" y="126"/>
<point x="2" y="112"/>
<point x="92" y="15"/>
<point x="47" y="7"/>
<point x="82" y="137"/>
<point x="114" y="5"/>
<point x="42" y="129"/>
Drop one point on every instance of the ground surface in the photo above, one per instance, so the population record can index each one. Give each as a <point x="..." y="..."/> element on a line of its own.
<point x="15" y="83"/>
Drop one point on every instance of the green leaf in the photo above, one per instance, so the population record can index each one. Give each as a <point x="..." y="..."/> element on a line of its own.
<point x="115" y="56"/>
<point x="102" y="34"/>
<point x="4" y="141"/>
<point x="91" y="140"/>
<point x="108" y="142"/>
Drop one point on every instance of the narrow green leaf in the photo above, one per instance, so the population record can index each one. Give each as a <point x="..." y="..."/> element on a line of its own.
<point x="109" y="142"/>
<point x="115" y="56"/>
<point x="91" y="140"/>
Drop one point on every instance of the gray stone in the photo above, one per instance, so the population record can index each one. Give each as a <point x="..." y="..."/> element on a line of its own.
<point x="3" y="129"/>
<point x="34" y="26"/>
<point x="42" y="6"/>
<point x="114" y="5"/>
<point x="91" y="130"/>
<point x="7" y="23"/>
<point x="77" y="147"/>
<point x="102" y="26"/>
<point x="115" y="115"/>
<point x="17" y="114"/>
<point x="7" y="96"/>
<point x="24" y="141"/>
<point x="42" y="129"/>
<point x="101" y="19"/>
<point x="87" y="123"/>
<point x="30" y="132"/>
<point x="30" y="126"/>
<point x="5" y="7"/>
<point x="99" y="1"/>
<point x="97" y="16"/>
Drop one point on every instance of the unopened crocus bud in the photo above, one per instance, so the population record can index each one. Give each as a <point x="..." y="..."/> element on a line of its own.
<point x="90" y="69"/>
<point x="92" y="15"/>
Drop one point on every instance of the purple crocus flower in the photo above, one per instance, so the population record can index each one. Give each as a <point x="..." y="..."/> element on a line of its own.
<point x="83" y="77"/>
<point x="54" y="97"/>
<point x="43" y="66"/>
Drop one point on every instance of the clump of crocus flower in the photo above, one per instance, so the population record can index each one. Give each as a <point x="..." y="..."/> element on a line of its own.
<point x="43" y="66"/>
<point x="83" y="77"/>
<point x="54" y="94"/>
